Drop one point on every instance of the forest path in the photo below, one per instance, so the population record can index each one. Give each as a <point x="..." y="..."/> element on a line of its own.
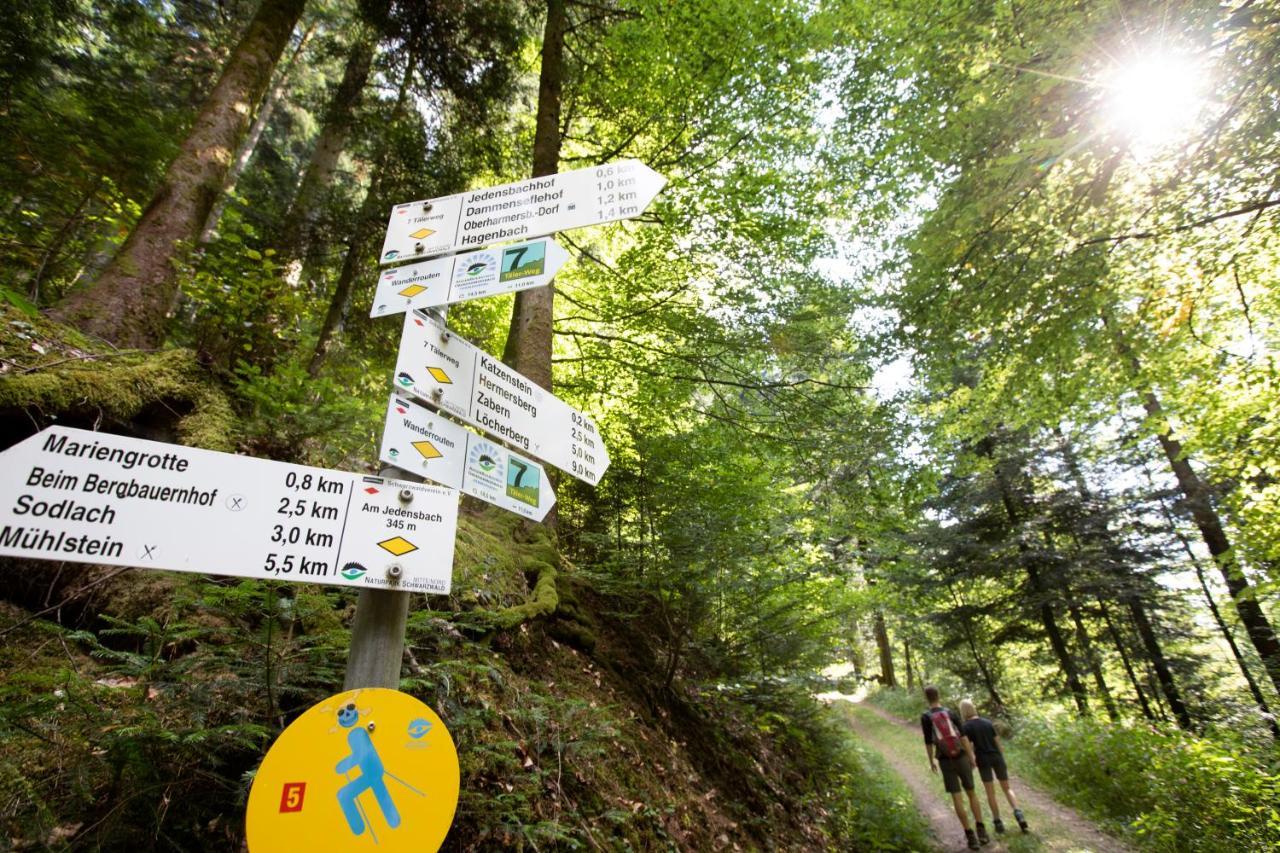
<point x="1053" y="826"/>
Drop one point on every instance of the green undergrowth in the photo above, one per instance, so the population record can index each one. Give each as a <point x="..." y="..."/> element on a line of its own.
<point x="144" y="732"/>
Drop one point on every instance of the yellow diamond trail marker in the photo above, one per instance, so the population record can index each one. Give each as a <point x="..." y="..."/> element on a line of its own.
<point x="397" y="545"/>
<point x="427" y="449"/>
<point x="92" y="497"/>
<point x="470" y="275"/>
<point x="439" y="375"/>
<point x="491" y="396"/>
<point x="422" y="233"/>
<point x="477" y="465"/>
<point x="370" y="769"/>
<point x="520" y="211"/>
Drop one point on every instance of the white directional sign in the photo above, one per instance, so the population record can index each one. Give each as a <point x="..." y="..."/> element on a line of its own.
<point x="471" y="275"/>
<point x="426" y="443"/>
<point x="447" y="372"/>
<point x="519" y="211"/>
<point x="91" y="497"/>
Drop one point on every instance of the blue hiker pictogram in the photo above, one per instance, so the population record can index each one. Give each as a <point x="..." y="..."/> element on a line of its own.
<point x="364" y="757"/>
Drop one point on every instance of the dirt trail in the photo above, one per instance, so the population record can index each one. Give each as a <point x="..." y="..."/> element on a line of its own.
<point x="1072" y="832"/>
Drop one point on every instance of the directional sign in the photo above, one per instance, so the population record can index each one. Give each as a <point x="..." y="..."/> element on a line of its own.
<point x="471" y="275"/>
<point x="370" y="769"/>
<point x="91" y="497"/>
<point x="519" y="211"/>
<point x="447" y="372"/>
<point x="427" y="443"/>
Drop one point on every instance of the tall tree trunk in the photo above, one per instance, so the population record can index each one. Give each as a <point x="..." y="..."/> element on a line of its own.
<point x="250" y="144"/>
<point x="1198" y="499"/>
<point x="1118" y="641"/>
<point x="130" y="302"/>
<point x="1095" y="665"/>
<point x="966" y="627"/>
<point x="1039" y="589"/>
<point x="1156" y="655"/>
<point x="528" y="347"/>
<point x="906" y="656"/>
<point x="339" y="117"/>
<point x="366" y="219"/>
<point x="1225" y="629"/>
<point x="887" y="677"/>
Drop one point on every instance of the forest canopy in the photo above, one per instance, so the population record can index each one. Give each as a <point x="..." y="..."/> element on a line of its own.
<point x="946" y="353"/>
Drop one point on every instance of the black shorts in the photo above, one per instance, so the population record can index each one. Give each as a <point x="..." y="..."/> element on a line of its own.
<point x="956" y="772"/>
<point x="992" y="763"/>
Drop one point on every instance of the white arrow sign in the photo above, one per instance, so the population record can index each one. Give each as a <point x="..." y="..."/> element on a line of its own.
<point x="520" y="211"/>
<point x="447" y="372"/>
<point x="427" y="443"/>
<point x="471" y="275"/>
<point x="91" y="497"/>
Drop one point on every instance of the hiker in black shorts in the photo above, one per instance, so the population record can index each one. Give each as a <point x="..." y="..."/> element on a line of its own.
<point x="942" y="735"/>
<point x="990" y="754"/>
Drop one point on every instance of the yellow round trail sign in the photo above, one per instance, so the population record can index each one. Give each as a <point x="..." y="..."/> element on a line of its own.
<point x="370" y="769"/>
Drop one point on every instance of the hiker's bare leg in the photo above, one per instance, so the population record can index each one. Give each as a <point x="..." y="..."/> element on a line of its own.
<point x="991" y="800"/>
<point x="958" y="802"/>
<point x="1008" y="794"/>
<point x="973" y="805"/>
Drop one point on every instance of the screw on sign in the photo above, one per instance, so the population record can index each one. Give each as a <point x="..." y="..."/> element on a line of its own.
<point x="370" y="768"/>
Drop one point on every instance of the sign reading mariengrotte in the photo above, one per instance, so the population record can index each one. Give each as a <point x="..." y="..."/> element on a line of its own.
<point x="92" y="497"/>
<point x="525" y="209"/>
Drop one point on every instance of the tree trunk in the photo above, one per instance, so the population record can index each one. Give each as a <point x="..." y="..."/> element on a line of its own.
<point x="528" y="348"/>
<point x="340" y="300"/>
<point x="1197" y="497"/>
<point x="1118" y="641"/>
<point x="339" y="117"/>
<point x="887" y="677"/>
<point x="129" y="303"/>
<point x="966" y="627"/>
<point x="1047" y="619"/>
<point x="1095" y="665"/>
<point x="250" y="144"/>
<point x="906" y="656"/>
<point x="1227" y="634"/>
<point x="1163" y="675"/>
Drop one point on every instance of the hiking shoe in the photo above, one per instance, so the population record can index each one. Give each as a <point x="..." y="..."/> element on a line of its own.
<point x="1022" y="821"/>
<point x="999" y="825"/>
<point x="971" y="838"/>
<point x="982" y="834"/>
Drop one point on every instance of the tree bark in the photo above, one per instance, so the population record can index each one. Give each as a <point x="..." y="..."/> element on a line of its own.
<point x="966" y="626"/>
<point x="1156" y="655"/>
<point x="1038" y="588"/>
<point x="887" y="677"/>
<point x="1095" y="665"/>
<point x="129" y="303"/>
<point x="339" y="117"/>
<point x="1227" y="634"/>
<point x="528" y="348"/>
<point x="250" y="144"/>
<point x="340" y="301"/>
<point x="906" y="656"/>
<point x="1118" y="641"/>
<point x="1198" y="500"/>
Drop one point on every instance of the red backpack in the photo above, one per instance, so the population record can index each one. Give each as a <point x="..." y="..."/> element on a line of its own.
<point x="945" y="736"/>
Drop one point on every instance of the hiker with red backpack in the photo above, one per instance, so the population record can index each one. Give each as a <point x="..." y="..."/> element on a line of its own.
<point x="944" y="739"/>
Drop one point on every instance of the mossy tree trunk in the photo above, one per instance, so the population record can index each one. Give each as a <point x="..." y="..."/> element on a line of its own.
<point x="130" y="301"/>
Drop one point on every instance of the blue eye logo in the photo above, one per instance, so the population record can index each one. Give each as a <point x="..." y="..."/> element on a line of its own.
<point x="404" y="379"/>
<point x="351" y="571"/>
<point x="418" y="728"/>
